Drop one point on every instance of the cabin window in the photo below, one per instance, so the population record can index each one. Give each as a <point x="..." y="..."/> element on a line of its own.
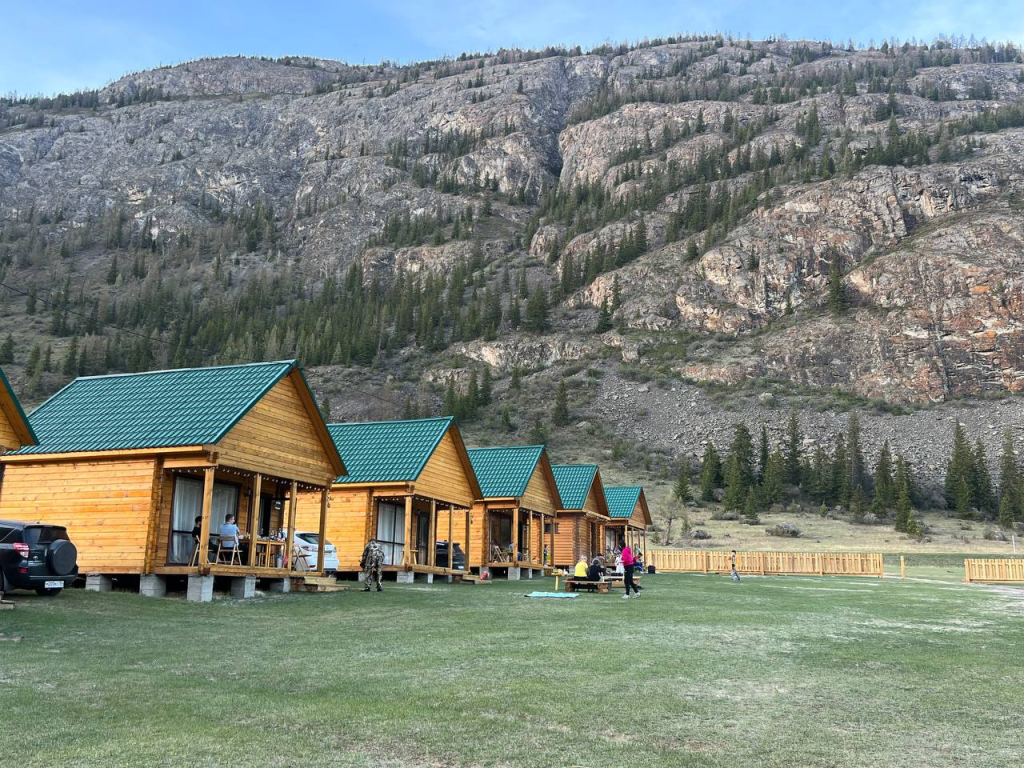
<point x="391" y="531"/>
<point x="188" y="505"/>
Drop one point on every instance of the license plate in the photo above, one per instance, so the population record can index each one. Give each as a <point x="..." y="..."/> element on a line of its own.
<point x="53" y="585"/>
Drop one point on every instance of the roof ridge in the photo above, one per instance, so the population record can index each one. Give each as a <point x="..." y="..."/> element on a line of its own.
<point x="182" y="370"/>
<point x="506" y="448"/>
<point x="388" y="421"/>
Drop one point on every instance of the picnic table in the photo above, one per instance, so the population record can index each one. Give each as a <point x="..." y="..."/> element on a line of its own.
<point x="602" y="587"/>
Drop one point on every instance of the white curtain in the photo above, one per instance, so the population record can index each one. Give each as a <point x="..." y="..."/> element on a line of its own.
<point x="391" y="531"/>
<point x="225" y="502"/>
<point x="188" y="503"/>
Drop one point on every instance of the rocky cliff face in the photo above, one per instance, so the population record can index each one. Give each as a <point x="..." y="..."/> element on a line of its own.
<point x="927" y="246"/>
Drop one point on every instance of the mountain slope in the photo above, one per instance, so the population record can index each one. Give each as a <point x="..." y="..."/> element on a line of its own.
<point x="710" y="190"/>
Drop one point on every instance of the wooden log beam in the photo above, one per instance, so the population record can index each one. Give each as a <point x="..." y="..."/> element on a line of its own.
<point x="254" y="518"/>
<point x="407" y="546"/>
<point x="451" y="544"/>
<point x="321" y="546"/>
<point x="204" y="526"/>
<point x="432" y="535"/>
<point x="290" y="538"/>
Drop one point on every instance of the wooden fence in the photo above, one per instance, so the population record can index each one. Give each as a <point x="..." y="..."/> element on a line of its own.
<point x="993" y="570"/>
<point x="767" y="563"/>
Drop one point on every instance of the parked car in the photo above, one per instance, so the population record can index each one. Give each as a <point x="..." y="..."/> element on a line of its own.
<point x="308" y="543"/>
<point x="36" y="556"/>
<point x="458" y="556"/>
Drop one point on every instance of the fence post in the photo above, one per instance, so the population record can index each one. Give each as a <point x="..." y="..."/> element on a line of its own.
<point x="760" y="557"/>
<point x="821" y="564"/>
<point x="967" y="571"/>
<point x="903" y="567"/>
<point x="705" y="562"/>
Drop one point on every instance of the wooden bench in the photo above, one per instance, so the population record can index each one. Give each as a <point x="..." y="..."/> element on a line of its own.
<point x="576" y="585"/>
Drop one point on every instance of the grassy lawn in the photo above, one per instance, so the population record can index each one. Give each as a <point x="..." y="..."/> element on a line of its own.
<point x="784" y="671"/>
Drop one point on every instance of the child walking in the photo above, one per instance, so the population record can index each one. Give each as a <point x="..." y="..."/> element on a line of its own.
<point x="734" y="574"/>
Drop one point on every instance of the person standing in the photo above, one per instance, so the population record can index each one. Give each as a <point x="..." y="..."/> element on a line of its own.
<point x="733" y="574"/>
<point x="627" y="565"/>
<point x="372" y="563"/>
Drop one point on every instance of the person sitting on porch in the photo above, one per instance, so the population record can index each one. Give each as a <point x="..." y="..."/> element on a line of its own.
<point x="197" y="529"/>
<point x="581" y="568"/>
<point x="229" y="531"/>
<point x="596" y="571"/>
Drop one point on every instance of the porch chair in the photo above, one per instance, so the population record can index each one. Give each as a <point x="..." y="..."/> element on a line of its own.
<point x="498" y="555"/>
<point x="298" y="556"/>
<point x="234" y="556"/>
<point x="194" y="561"/>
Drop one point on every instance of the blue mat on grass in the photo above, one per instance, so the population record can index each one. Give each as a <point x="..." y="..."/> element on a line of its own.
<point x="552" y="594"/>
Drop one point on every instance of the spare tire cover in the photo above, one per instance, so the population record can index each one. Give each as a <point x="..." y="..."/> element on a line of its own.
<point x="63" y="557"/>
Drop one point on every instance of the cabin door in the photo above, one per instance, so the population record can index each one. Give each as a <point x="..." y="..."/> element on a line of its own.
<point x="266" y="514"/>
<point x="422" y="538"/>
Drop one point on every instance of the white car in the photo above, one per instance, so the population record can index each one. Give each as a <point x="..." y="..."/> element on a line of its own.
<point x="307" y="543"/>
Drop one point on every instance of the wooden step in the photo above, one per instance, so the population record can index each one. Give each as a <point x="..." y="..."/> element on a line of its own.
<point x="6" y="605"/>
<point x="326" y="581"/>
<point x="471" y="579"/>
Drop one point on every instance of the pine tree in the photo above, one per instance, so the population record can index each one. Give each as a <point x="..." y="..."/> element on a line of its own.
<point x="538" y="435"/>
<point x="750" y="507"/>
<point x="885" y="489"/>
<point x="451" y="405"/>
<point x="515" y="379"/>
<point x="681" y="491"/>
<point x="763" y="455"/>
<point x="710" y="472"/>
<point x="959" y="468"/>
<point x="537" y="310"/>
<point x="471" y="402"/>
<point x="604" y="318"/>
<point x="506" y="420"/>
<point x="981" y="486"/>
<point x="515" y="318"/>
<point x="836" y="290"/>
<point x="485" y="394"/>
<point x="7" y="349"/>
<point x="772" y="487"/>
<point x="1009" y="482"/>
<point x="739" y="469"/>
<point x="560" y="411"/>
<point x="71" y="358"/>
<point x="30" y="301"/>
<point x="793" y="440"/>
<point x="963" y="498"/>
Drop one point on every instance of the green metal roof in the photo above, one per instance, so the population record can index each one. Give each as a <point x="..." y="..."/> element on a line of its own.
<point x="156" y="409"/>
<point x="19" y="413"/>
<point x="387" y="451"/>
<point x="574" y="481"/>
<point x="622" y="499"/>
<point x="505" y="471"/>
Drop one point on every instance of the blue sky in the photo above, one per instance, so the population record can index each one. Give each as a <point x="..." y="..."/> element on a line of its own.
<point x="63" y="45"/>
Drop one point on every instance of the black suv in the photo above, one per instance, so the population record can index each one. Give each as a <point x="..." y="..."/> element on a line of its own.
<point x="458" y="556"/>
<point x="36" y="556"/>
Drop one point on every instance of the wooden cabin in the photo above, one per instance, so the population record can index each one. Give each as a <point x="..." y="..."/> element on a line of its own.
<point x="15" y="431"/>
<point x="513" y="521"/>
<point x="128" y="462"/>
<point x="581" y="521"/>
<point x="408" y="483"/>
<point x="629" y="519"/>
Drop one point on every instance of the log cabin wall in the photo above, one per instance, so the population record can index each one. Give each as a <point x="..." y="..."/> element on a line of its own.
<point x="105" y="504"/>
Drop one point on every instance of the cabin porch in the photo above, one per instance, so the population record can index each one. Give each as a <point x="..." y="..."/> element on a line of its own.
<point x="416" y="533"/>
<point x="618" y="531"/>
<point x="517" y="539"/>
<point x="264" y="506"/>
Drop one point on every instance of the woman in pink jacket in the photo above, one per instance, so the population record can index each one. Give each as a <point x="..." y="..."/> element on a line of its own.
<point x="627" y="564"/>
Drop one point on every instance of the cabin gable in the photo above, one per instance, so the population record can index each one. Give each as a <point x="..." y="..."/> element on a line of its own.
<point x="539" y="496"/>
<point x="445" y="476"/>
<point x="278" y="436"/>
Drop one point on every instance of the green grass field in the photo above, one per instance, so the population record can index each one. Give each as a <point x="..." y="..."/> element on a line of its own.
<point x="783" y="671"/>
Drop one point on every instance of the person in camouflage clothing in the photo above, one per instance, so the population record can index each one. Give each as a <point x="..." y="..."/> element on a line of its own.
<point x="372" y="563"/>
